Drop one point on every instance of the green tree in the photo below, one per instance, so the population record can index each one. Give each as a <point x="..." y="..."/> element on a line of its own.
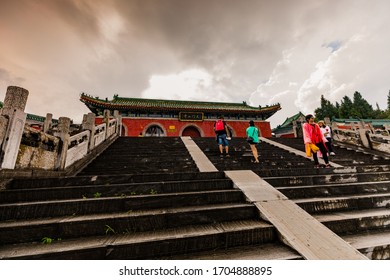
<point x="338" y="110"/>
<point x="358" y="108"/>
<point x="327" y="109"/>
<point x="345" y="109"/>
<point x="361" y="108"/>
<point x="388" y="101"/>
<point x="378" y="113"/>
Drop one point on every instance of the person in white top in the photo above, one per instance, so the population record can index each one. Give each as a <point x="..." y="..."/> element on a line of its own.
<point x="326" y="131"/>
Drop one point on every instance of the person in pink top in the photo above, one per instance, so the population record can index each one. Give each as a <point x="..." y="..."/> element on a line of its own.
<point x="312" y="134"/>
<point x="325" y="129"/>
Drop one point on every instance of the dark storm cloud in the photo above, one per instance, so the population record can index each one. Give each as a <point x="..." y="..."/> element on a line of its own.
<point x="233" y="40"/>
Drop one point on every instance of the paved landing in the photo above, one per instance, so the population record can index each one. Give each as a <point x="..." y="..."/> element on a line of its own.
<point x="297" y="228"/>
<point x="201" y="160"/>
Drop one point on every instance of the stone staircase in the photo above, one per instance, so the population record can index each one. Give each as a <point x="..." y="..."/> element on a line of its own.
<point x="143" y="155"/>
<point x="272" y="160"/>
<point x="143" y="198"/>
<point x="134" y="202"/>
<point x="353" y="201"/>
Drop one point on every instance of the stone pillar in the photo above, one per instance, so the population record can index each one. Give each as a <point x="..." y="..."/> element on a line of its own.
<point x="63" y="134"/>
<point x="385" y="126"/>
<point x="371" y="127"/>
<point x="15" y="99"/>
<point x="118" y="118"/>
<point x="353" y="126"/>
<point x="12" y="122"/>
<point x="295" y="129"/>
<point x="89" y="124"/>
<point x="48" y="122"/>
<point x="3" y="128"/>
<point x="363" y="136"/>
<point x="327" y="121"/>
<point x="106" y="119"/>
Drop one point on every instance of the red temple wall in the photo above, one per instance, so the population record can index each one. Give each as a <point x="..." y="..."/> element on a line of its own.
<point x="174" y="128"/>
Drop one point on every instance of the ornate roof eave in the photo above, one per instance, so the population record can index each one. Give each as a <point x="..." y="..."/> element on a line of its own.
<point x="94" y="103"/>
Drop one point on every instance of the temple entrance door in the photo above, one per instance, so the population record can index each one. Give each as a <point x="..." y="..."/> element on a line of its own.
<point x="191" y="131"/>
<point x="155" y="131"/>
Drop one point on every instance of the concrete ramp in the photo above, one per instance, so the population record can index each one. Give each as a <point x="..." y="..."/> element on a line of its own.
<point x="297" y="228"/>
<point x="201" y="160"/>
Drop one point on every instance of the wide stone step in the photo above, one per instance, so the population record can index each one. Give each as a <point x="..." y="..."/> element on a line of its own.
<point x="140" y="170"/>
<point x="247" y="164"/>
<point x="146" y="245"/>
<point x="292" y="171"/>
<point x="121" y="223"/>
<point x="147" y="165"/>
<point x="33" y="210"/>
<point x="268" y="251"/>
<point x="329" y="190"/>
<point x="142" y="159"/>
<point x="358" y="221"/>
<point x="247" y="155"/>
<point x="163" y="155"/>
<point x="374" y="245"/>
<point x="111" y="190"/>
<point x="345" y="178"/>
<point x="111" y="179"/>
<point x="344" y="203"/>
<point x="144" y="164"/>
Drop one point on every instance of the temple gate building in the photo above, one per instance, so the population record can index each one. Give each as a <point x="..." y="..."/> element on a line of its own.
<point x="172" y="118"/>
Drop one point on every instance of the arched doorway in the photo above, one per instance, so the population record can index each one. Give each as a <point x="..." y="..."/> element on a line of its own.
<point x="154" y="131"/>
<point x="191" y="131"/>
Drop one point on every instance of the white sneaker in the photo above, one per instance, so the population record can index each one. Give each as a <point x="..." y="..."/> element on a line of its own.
<point x="332" y="154"/>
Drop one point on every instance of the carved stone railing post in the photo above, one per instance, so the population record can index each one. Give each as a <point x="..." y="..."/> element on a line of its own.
<point x="12" y="122"/>
<point x="363" y="135"/>
<point x="3" y="129"/>
<point x="295" y="129"/>
<point x="385" y="126"/>
<point x="118" y="118"/>
<point x="327" y="121"/>
<point x="106" y="120"/>
<point x="48" y="122"/>
<point x="63" y="134"/>
<point x="89" y="124"/>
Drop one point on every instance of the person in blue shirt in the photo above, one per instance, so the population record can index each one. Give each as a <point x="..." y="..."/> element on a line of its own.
<point x="253" y="131"/>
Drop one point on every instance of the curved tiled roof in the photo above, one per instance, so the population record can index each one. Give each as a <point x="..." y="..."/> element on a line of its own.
<point x="121" y="103"/>
<point x="289" y="120"/>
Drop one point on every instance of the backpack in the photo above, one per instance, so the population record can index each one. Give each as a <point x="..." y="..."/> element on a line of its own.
<point x="219" y="125"/>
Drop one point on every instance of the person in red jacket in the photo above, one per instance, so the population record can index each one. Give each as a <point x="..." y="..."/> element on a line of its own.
<point x="223" y="135"/>
<point x="312" y="134"/>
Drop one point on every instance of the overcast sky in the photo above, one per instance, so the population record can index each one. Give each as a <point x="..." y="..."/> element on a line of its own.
<point x="258" y="51"/>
